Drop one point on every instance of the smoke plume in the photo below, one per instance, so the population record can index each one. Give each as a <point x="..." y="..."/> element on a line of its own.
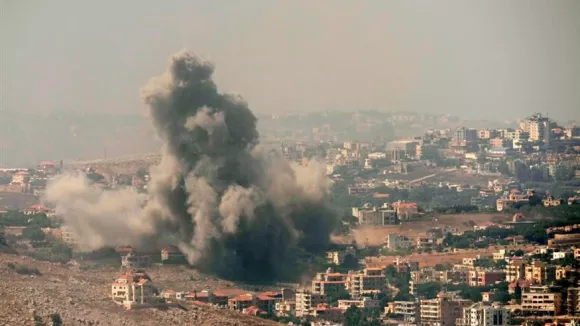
<point x="231" y="207"/>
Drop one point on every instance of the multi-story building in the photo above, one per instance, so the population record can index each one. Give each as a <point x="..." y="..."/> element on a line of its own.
<point x="480" y="277"/>
<point x="306" y="301"/>
<point x="396" y="242"/>
<point x="329" y="282"/>
<point x="369" y="280"/>
<point x="482" y="314"/>
<point x="374" y="216"/>
<point x="540" y="273"/>
<point x="462" y="134"/>
<point x="515" y="270"/>
<point x="410" y="310"/>
<point x="538" y="127"/>
<point x="134" y="289"/>
<point x="426" y="243"/>
<point x="399" y="149"/>
<point x="541" y="301"/>
<point x="135" y="261"/>
<point x="514" y="197"/>
<point x="564" y="241"/>
<point x="443" y="310"/>
<point x="361" y="303"/>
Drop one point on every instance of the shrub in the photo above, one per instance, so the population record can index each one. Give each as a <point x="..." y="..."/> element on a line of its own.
<point x="25" y="270"/>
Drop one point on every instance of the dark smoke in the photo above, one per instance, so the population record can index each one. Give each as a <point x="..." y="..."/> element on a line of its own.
<point x="230" y="207"/>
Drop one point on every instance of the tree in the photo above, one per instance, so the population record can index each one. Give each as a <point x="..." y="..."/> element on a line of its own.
<point x="353" y="316"/>
<point x="56" y="319"/>
<point x="33" y="233"/>
<point x="519" y="253"/>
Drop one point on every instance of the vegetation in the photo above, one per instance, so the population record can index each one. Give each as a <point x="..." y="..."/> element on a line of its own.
<point x="24" y="269"/>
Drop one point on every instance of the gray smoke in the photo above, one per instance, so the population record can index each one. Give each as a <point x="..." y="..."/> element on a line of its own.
<point x="232" y="208"/>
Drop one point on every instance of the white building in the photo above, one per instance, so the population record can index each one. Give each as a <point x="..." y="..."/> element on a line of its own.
<point x="482" y="314"/>
<point x="134" y="289"/>
<point x="306" y="301"/>
<point x="369" y="215"/>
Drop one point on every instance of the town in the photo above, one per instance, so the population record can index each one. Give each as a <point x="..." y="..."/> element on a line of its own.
<point x="450" y="226"/>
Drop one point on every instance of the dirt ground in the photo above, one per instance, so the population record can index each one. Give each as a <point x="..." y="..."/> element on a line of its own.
<point x="413" y="229"/>
<point x="432" y="259"/>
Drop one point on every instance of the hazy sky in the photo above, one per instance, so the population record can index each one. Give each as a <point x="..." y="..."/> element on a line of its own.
<point x="473" y="58"/>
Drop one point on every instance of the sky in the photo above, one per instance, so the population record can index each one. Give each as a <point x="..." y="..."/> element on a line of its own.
<point x="477" y="59"/>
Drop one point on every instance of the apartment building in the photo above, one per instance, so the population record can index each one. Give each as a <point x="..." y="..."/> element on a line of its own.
<point x="539" y="272"/>
<point x="410" y="310"/>
<point x="361" y="303"/>
<point x="426" y="243"/>
<point x="397" y="242"/>
<point x="306" y="301"/>
<point x="329" y="282"/>
<point x="564" y="241"/>
<point x="538" y="127"/>
<point x="482" y="314"/>
<point x="443" y="310"/>
<point x="369" y="280"/>
<point x="375" y="216"/>
<point x="542" y="301"/>
<point x="515" y="270"/>
<point x="480" y="277"/>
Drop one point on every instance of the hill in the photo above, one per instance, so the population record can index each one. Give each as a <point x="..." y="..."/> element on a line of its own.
<point x="83" y="297"/>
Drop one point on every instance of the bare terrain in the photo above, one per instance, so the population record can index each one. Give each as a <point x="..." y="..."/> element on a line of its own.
<point x="82" y="297"/>
<point x="432" y="259"/>
<point x="413" y="229"/>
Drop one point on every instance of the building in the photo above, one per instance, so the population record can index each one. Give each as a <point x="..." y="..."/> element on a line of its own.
<point x="245" y="301"/>
<point x="515" y="270"/>
<point x="482" y="314"/>
<point x="539" y="272"/>
<point x="286" y="308"/>
<point x="397" y="242"/>
<point x="306" y="301"/>
<point x="538" y="127"/>
<point x="542" y="301"/>
<point x="135" y="261"/>
<point x="361" y="303"/>
<point x="484" y="278"/>
<point x="410" y="310"/>
<point x="462" y="134"/>
<point x="514" y="198"/>
<point x="551" y="201"/>
<point x="172" y="255"/>
<point x="564" y="241"/>
<point x="329" y="282"/>
<point x="405" y="210"/>
<point x="425" y="243"/>
<point x="400" y="149"/>
<point x="369" y="280"/>
<point x="69" y="236"/>
<point x="337" y="257"/>
<point x="134" y="289"/>
<point x="443" y="310"/>
<point x="374" y="216"/>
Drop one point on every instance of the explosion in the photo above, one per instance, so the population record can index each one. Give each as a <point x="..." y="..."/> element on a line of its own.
<point x="232" y="208"/>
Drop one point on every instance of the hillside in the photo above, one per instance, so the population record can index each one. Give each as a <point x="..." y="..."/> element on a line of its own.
<point x="82" y="297"/>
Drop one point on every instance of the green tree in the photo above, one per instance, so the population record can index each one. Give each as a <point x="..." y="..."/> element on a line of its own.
<point x="353" y="316"/>
<point x="56" y="319"/>
<point x="33" y="233"/>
